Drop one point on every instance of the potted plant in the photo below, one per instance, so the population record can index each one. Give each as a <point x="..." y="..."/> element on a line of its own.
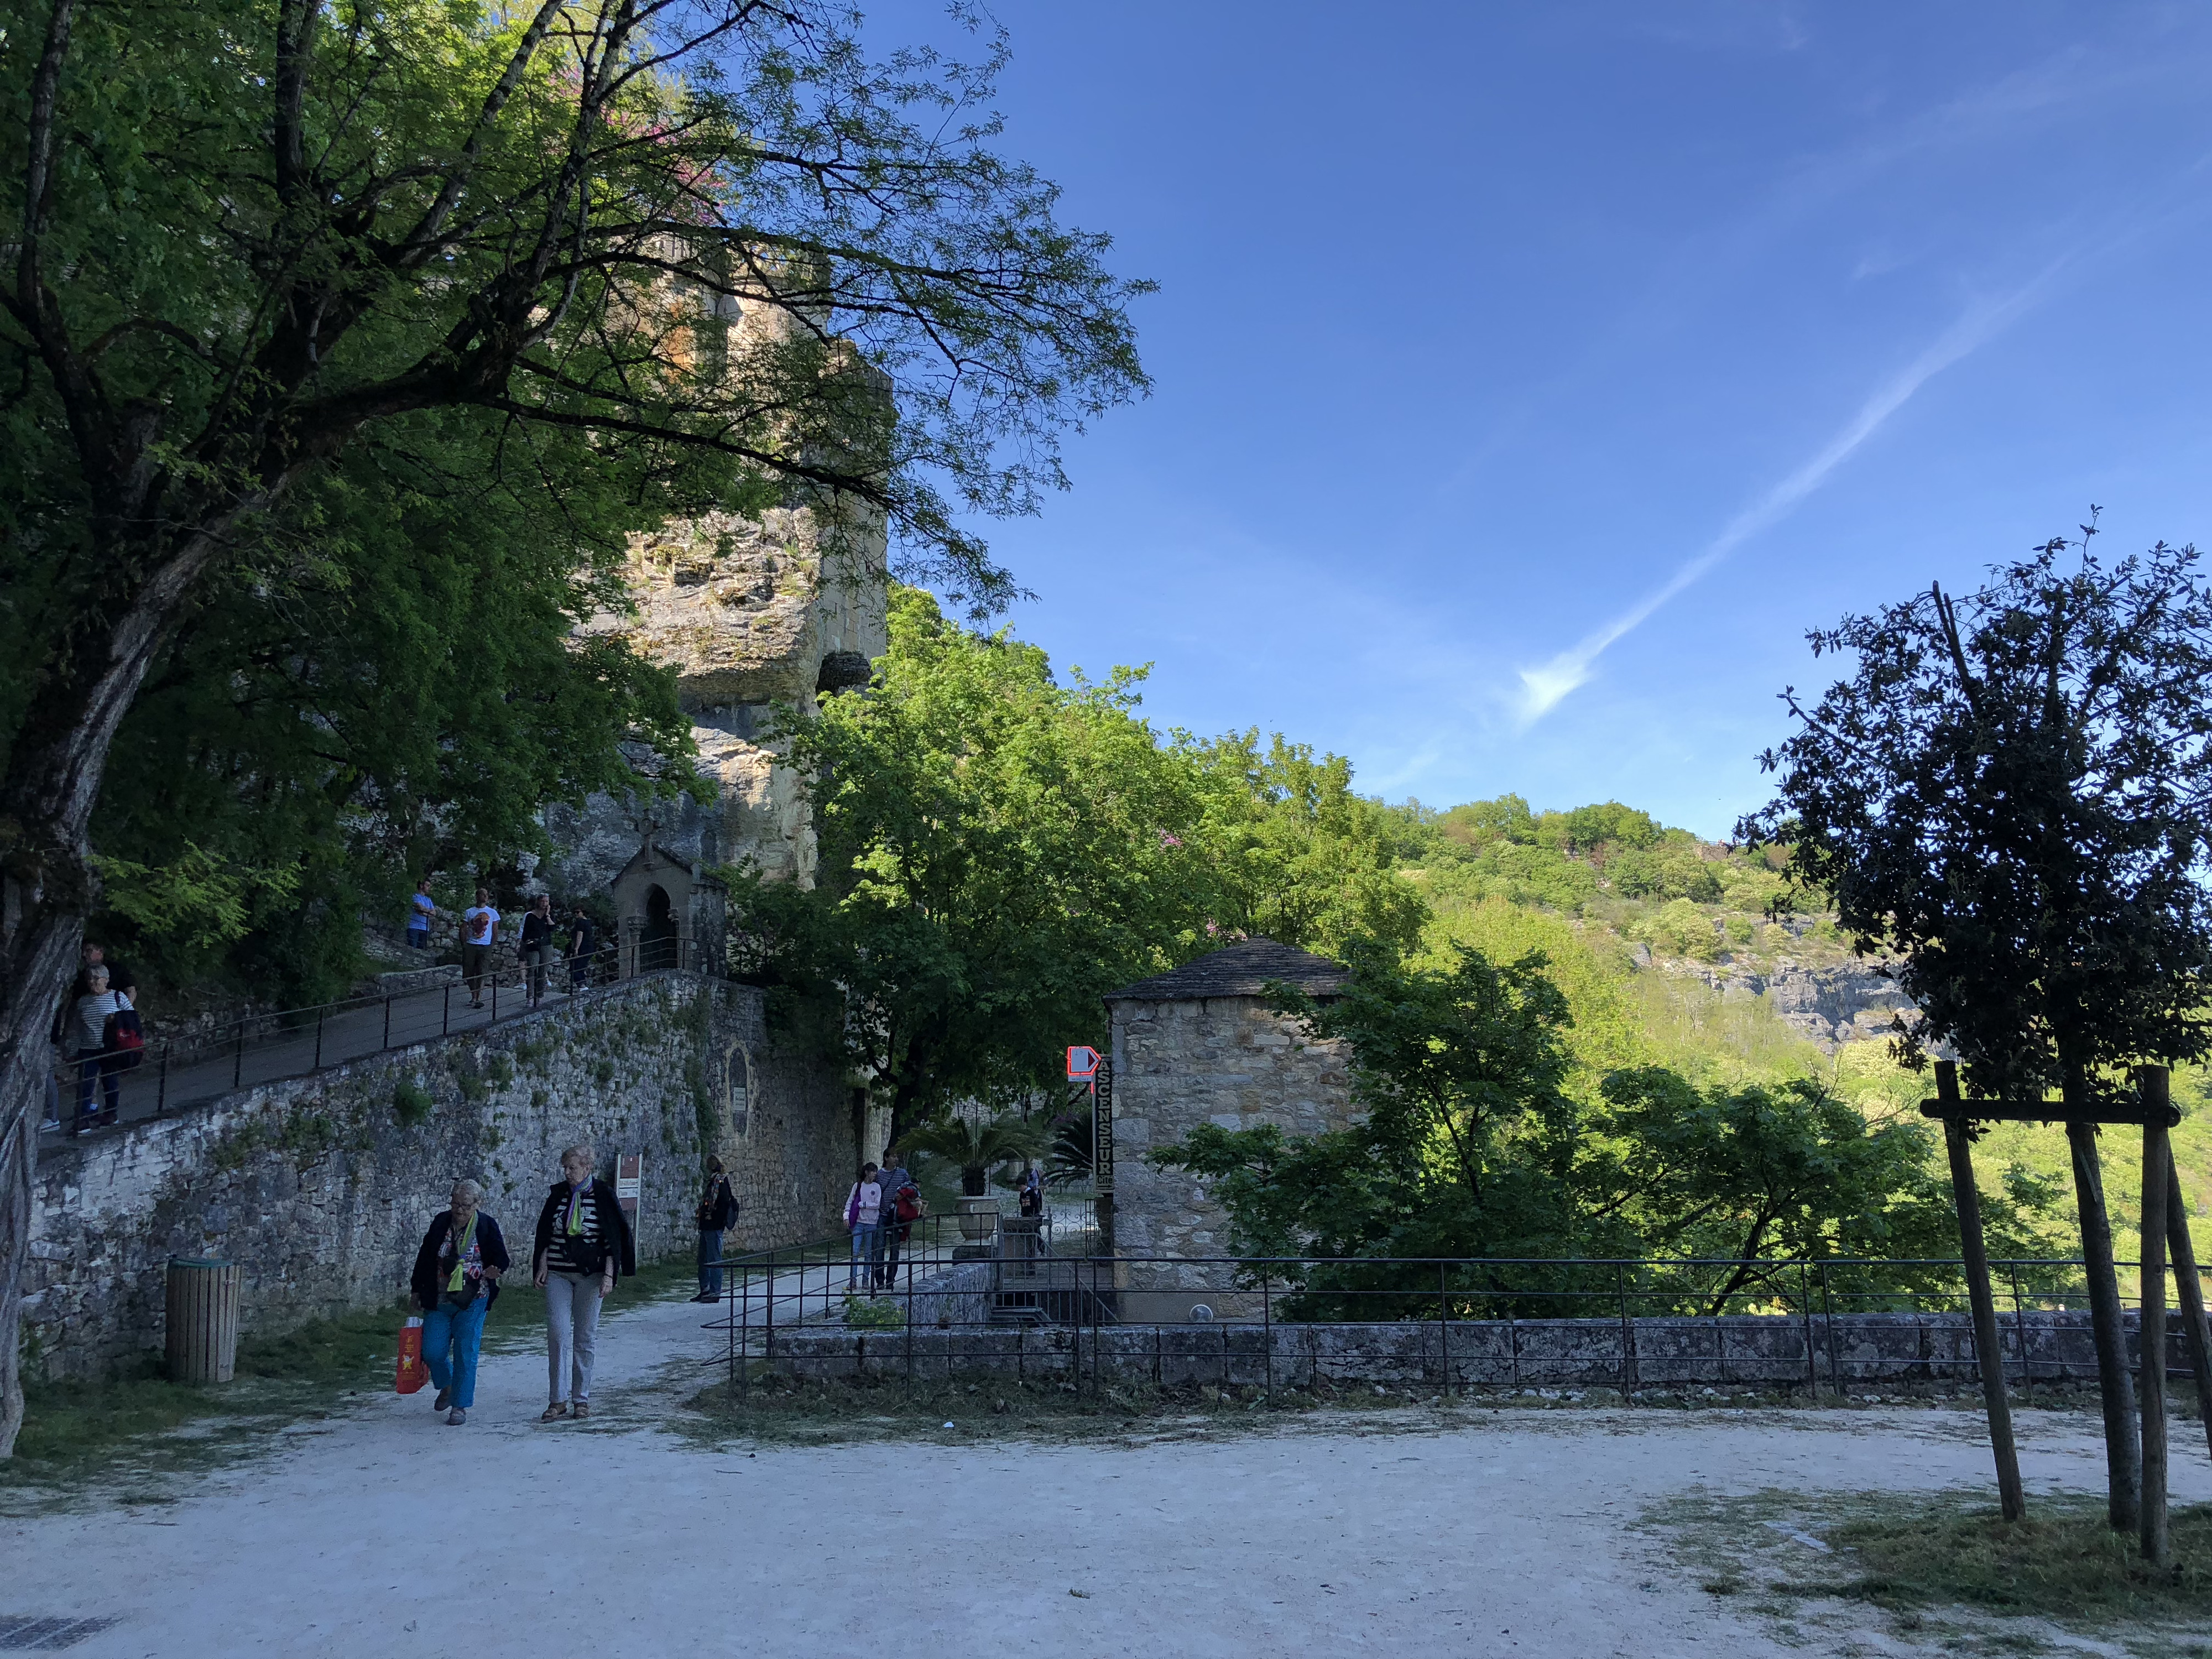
<point x="977" y="1146"/>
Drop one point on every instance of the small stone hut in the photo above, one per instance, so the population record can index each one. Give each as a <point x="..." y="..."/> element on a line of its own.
<point x="1199" y="1044"/>
<point x="671" y="912"/>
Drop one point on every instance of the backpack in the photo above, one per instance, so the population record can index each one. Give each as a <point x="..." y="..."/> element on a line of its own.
<point x="124" y="1039"/>
<point x="908" y="1202"/>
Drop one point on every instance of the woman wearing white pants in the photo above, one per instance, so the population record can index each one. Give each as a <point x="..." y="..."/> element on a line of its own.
<point x="583" y="1245"/>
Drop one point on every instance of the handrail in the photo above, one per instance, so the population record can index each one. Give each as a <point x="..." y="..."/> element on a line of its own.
<point x="355" y="1026"/>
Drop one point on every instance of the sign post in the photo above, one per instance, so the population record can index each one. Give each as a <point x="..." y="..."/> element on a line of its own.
<point x="1086" y="1065"/>
<point x="629" y="1182"/>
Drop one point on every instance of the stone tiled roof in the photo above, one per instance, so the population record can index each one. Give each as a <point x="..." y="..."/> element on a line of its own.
<point x="1237" y="970"/>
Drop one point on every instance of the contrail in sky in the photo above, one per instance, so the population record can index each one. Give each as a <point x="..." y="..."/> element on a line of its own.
<point x="1542" y="687"/>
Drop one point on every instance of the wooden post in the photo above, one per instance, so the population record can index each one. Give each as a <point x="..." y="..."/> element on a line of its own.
<point x="2157" y="1546"/>
<point x="2121" y="1472"/>
<point x="2191" y="1291"/>
<point x="1988" y="1353"/>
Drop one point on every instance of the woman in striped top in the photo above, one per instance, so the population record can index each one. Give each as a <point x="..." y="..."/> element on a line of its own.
<point x="583" y="1245"/>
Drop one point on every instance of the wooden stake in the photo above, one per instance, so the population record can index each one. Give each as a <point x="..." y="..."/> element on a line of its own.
<point x="2122" y="1472"/>
<point x="2191" y="1291"/>
<point x="2157" y="1546"/>
<point x="1989" y="1352"/>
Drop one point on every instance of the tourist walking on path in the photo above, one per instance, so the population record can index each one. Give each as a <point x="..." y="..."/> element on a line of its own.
<point x="92" y="1023"/>
<point x="583" y="1245"/>
<point x="718" y="1213"/>
<point x="902" y="1209"/>
<point x="420" y="909"/>
<point x="479" y="933"/>
<point x="455" y="1282"/>
<point x="1032" y="1199"/>
<point x="538" y="946"/>
<point x="863" y="1214"/>
<point x="578" y="947"/>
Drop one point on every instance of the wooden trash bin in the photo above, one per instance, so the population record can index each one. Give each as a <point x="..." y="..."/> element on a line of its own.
<point x="202" y="1320"/>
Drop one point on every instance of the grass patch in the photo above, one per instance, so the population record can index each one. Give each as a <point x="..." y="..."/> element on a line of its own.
<point x="1923" y="1555"/>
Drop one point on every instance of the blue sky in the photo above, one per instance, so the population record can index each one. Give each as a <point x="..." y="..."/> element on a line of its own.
<point x="1528" y="378"/>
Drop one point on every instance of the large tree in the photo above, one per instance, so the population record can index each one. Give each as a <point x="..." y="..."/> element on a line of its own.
<point x="2011" y="798"/>
<point x="241" y="235"/>
<point x="997" y="851"/>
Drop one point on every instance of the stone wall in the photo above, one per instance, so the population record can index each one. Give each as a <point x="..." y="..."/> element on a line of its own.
<point x="1228" y="1061"/>
<point x="320" y="1187"/>
<point x="1667" y="1356"/>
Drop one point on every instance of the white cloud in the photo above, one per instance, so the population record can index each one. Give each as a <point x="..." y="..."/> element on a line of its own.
<point x="1542" y="687"/>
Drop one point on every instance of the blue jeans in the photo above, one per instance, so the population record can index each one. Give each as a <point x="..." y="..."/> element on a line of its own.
<point x="710" y="1262"/>
<point x="418" y="939"/>
<point x="92" y="1064"/>
<point x="867" y="1250"/>
<point x="451" y="1338"/>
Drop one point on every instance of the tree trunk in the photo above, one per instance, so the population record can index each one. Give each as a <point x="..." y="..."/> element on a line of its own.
<point x="46" y="884"/>
<point x="2123" y="1471"/>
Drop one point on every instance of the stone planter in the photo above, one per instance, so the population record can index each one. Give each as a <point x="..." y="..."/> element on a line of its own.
<point x="979" y="1217"/>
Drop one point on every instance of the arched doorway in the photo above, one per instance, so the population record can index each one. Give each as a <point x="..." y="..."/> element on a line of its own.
<point x="656" y="940"/>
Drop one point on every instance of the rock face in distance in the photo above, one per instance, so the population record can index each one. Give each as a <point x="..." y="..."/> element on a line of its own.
<point x="751" y="614"/>
<point x="1834" y="1004"/>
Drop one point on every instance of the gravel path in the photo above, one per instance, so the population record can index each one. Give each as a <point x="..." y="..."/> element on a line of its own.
<point x="383" y="1532"/>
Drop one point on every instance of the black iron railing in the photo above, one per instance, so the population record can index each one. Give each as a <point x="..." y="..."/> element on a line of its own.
<point x="94" y="1089"/>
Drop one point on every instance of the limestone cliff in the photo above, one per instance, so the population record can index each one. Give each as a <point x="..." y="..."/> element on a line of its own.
<point x="750" y="613"/>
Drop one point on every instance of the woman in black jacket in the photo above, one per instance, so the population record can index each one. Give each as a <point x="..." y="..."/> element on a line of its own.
<point x="583" y="1245"/>
<point x="456" y="1281"/>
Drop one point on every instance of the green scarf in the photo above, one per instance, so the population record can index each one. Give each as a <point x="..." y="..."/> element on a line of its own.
<point x="575" y="1211"/>
<point x="461" y="1256"/>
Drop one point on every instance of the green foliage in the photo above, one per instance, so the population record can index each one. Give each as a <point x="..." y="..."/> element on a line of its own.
<point x="2009" y="795"/>
<point x="1467" y="1141"/>
<point x="863" y="1313"/>
<point x="976" y="1146"/>
<point x="1292" y="853"/>
<point x="199" y="900"/>
<point x="1472" y="1145"/>
<point x="1678" y="929"/>
<point x="1792" y="1170"/>
<point x="996" y="852"/>
<point x="1067" y="1154"/>
<point x="412" y="1104"/>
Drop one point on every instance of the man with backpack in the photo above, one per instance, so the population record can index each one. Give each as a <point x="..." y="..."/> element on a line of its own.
<point x="718" y="1213"/>
<point x="901" y="1209"/>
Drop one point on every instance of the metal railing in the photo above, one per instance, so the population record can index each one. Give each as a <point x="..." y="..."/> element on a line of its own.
<point x="105" y="1087"/>
<point x="1636" y="1325"/>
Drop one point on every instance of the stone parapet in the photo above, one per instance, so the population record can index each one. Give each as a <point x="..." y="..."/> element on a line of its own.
<point x="1856" y="1351"/>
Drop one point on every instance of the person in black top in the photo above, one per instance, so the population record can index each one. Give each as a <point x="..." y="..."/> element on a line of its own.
<point x="718" y="1213"/>
<point x="456" y="1281"/>
<point x="581" y="936"/>
<point x="537" y="947"/>
<point x="583" y="1245"/>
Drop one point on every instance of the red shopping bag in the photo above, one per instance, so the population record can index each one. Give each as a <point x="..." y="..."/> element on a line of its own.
<point x="413" y="1373"/>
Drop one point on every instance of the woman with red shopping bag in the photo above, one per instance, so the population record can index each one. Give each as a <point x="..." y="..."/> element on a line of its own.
<point x="455" y="1282"/>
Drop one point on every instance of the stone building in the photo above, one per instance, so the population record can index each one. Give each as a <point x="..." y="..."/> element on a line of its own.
<point x="1199" y="1044"/>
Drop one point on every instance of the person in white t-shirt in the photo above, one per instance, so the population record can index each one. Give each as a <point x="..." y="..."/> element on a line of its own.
<point x="864" y="1215"/>
<point x="479" y="933"/>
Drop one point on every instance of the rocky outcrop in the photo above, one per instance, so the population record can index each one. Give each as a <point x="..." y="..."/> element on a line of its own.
<point x="1828" y="1003"/>
<point x="753" y="614"/>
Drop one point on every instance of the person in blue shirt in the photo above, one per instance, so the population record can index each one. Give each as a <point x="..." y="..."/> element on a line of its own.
<point x="420" y="910"/>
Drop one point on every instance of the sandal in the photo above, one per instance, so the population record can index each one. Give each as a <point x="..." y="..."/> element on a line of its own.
<point x="583" y="1408"/>
<point x="554" y="1412"/>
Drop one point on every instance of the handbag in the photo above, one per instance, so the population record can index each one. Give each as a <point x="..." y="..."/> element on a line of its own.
<point x="125" y="1038"/>
<point x="413" y="1373"/>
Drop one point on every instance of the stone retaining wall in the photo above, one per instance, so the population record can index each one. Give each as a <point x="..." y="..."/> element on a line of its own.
<point x="319" y="1186"/>
<point x="1748" y="1351"/>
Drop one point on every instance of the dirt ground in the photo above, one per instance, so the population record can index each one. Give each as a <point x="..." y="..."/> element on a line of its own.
<point x="382" y="1531"/>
